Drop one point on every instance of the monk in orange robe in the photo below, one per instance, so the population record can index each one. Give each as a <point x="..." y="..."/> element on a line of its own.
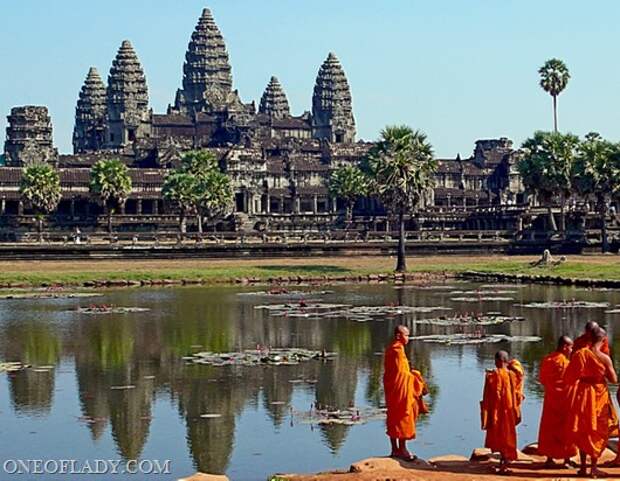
<point x="500" y="408"/>
<point x="552" y="435"/>
<point x="591" y="414"/>
<point x="585" y="340"/>
<point x="404" y="388"/>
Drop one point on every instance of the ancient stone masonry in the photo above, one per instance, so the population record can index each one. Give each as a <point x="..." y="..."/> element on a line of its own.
<point x="279" y="163"/>
<point x="332" y="110"/>
<point x="207" y="74"/>
<point x="274" y="102"/>
<point x="29" y="137"/>
<point x="90" y="115"/>
<point x="129" y="118"/>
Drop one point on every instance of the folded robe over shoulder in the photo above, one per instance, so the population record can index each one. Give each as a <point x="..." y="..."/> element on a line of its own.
<point x="552" y="440"/>
<point x="591" y="413"/>
<point x="585" y="341"/>
<point x="404" y="389"/>
<point x="501" y="409"/>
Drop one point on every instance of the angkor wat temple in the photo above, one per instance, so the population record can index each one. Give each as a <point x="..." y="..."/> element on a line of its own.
<point x="279" y="162"/>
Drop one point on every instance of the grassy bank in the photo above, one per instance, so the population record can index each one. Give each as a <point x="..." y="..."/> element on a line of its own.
<point x="38" y="273"/>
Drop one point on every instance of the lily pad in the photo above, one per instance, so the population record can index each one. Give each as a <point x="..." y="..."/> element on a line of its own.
<point x="260" y="357"/>
<point x="566" y="305"/>
<point x="459" y="338"/>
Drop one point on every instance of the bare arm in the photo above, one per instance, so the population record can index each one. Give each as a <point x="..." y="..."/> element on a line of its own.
<point x="610" y="372"/>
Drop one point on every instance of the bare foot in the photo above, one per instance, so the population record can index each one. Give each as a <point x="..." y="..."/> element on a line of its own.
<point x="550" y="464"/>
<point x="582" y="473"/>
<point x="407" y="456"/>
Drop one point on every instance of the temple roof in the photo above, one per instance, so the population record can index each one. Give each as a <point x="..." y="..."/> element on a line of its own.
<point x="127" y="90"/>
<point x="91" y="103"/>
<point x="274" y="102"/>
<point x="207" y="74"/>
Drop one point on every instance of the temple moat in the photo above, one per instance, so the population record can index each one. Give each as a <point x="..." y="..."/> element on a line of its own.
<point x="117" y="385"/>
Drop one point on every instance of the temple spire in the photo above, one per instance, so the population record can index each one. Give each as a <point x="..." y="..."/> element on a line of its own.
<point x="207" y="74"/>
<point x="274" y="102"/>
<point x="127" y="99"/>
<point x="90" y="114"/>
<point x="332" y="109"/>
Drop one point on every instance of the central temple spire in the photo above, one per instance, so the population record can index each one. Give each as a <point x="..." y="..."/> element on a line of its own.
<point x="207" y="75"/>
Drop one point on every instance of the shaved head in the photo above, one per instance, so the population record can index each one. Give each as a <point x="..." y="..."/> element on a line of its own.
<point x="591" y="326"/>
<point x="501" y="356"/>
<point x="564" y="341"/>
<point x="401" y="333"/>
<point x="598" y="335"/>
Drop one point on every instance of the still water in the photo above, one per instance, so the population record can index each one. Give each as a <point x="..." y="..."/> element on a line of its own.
<point x="71" y="412"/>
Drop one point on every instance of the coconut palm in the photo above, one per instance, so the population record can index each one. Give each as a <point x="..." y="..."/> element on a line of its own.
<point x="40" y="188"/>
<point x="548" y="169"/>
<point x="181" y="187"/>
<point x="598" y="175"/>
<point x="348" y="183"/>
<point x="554" y="77"/>
<point x="110" y="180"/>
<point x="402" y="167"/>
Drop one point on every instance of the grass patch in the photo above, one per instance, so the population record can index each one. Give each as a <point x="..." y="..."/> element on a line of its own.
<point x="37" y="273"/>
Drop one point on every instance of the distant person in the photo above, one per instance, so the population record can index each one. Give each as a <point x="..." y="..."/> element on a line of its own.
<point x="404" y="388"/>
<point x="586" y="339"/>
<point x="552" y="435"/>
<point x="500" y="408"/>
<point x="591" y="413"/>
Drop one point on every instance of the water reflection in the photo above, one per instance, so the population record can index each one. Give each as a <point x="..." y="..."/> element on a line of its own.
<point x="126" y="365"/>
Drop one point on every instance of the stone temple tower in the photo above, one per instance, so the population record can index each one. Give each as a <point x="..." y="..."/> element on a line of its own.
<point x="332" y="109"/>
<point x="274" y="102"/>
<point x="207" y="74"/>
<point x="129" y="118"/>
<point x="29" y="137"/>
<point x="90" y="115"/>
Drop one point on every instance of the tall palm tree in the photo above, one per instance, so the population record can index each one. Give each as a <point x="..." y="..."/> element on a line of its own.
<point x="348" y="183"/>
<point x="554" y="77"/>
<point x="40" y="187"/>
<point x="215" y="195"/>
<point x="402" y="167"/>
<point x="110" y="180"/>
<point x="598" y="175"/>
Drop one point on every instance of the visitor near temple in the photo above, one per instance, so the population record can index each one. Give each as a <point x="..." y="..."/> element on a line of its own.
<point x="404" y="388"/>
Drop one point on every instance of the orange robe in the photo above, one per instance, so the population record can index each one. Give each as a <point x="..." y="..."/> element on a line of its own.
<point x="584" y="341"/>
<point x="501" y="409"/>
<point x="591" y="414"/>
<point x="552" y="435"/>
<point x="404" y="389"/>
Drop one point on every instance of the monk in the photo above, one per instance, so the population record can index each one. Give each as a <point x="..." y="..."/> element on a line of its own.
<point x="591" y="414"/>
<point x="585" y="340"/>
<point x="552" y="435"/>
<point x="404" y="388"/>
<point x="500" y="408"/>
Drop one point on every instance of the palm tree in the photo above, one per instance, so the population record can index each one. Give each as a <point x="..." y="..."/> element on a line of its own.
<point x="215" y="195"/>
<point x="348" y="183"/>
<point x="402" y="167"/>
<point x="181" y="187"/>
<point x="110" y="180"/>
<point x="40" y="187"/>
<point x="598" y="175"/>
<point x="554" y="77"/>
<point x="548" y="169"/>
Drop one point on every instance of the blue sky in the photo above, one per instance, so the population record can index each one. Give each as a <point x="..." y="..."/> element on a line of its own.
<point x="458" y="69"/>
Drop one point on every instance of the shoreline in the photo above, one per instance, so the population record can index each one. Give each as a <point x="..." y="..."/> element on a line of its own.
<point x="586" y="270"/>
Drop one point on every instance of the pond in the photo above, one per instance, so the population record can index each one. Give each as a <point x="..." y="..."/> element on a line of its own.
<point x="113" y="384"/>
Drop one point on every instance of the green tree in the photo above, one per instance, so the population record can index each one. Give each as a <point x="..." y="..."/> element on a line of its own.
<point x="348" y="183"/>
<point x="181" y="187"/>
<point x="554" y="77"/>
<point x="598" y="175"/>
<point x="40" y="188"/>
<point x="402" y="167"/>
<point x="200" y="187"/>
<point x="548" y="169"/>
<point x="110" y="180"/>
